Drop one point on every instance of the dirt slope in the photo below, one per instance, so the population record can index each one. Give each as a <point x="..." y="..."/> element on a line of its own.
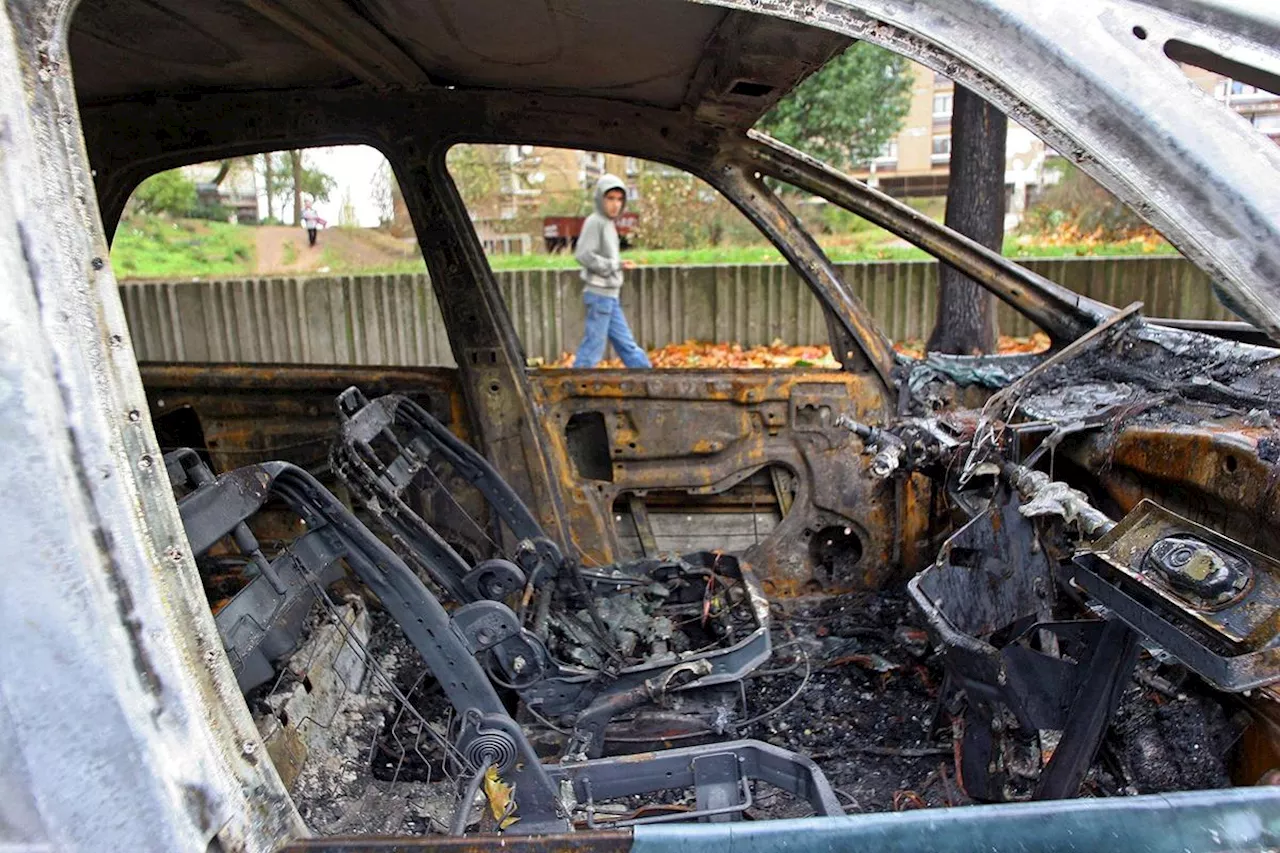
<point x="284" y="249"/>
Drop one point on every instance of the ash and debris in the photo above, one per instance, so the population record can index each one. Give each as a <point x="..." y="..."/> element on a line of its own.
<point x="1170" y="364"/>
<point x="354" y="788"/>
<point x="1167" y="735"/>
<point x="867" y="712"/>
<point x="652" y="623"/>
<point x="868" y="715"/>
<point x="637" y="628"/>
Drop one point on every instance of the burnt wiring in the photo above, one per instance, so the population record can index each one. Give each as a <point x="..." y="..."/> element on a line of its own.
<point x="785" y="703"/>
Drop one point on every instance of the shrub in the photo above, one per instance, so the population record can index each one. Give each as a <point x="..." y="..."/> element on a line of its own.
<point x="170" y="193"/>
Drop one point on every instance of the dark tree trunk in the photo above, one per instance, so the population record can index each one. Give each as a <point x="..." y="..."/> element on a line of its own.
<point x="296" y="157"/>
<point x="269" y="185"/>
<point x="224" y="168"/>
<point x="975" y="207"/>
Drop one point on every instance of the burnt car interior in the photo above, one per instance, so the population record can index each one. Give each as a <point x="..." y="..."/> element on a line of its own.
<point x="443" y="592"/>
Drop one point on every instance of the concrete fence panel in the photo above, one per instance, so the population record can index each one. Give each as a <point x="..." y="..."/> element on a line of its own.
<point x="395" y="320"/>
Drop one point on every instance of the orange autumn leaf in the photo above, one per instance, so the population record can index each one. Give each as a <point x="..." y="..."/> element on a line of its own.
<point x="698" y="354"/>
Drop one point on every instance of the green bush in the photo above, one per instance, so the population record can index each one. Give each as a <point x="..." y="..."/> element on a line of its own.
<point x="214" y="212"/>
<point x="837" y="220"/>
<point x="1079" y="208"/>
<point x="170" y="193"/>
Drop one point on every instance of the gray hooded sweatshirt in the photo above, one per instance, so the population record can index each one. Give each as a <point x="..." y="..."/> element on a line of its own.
<point x="597" y="249"/>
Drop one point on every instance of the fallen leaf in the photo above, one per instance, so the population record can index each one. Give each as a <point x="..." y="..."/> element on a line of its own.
<point x="501" y="796"/>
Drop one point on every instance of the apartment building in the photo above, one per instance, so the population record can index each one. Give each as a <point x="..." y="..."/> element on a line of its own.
<point x="544" y="180"/>
<point x="1258" y="106"/>
<point x="917" y="162"/>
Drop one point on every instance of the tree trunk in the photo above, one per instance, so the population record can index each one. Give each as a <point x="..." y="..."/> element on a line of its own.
<point x="975" y="207"/>
<point x="224" y="168"/>
<point x="269" y="185"/>
<point x="296" y="156"/>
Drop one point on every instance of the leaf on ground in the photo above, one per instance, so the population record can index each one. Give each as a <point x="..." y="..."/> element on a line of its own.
<point x="501" y="796"/>
<point x="700" y="354"/>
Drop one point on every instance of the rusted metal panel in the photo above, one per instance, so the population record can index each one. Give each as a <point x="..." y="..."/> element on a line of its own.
<point x="394" y="319"/>
<point x="700" y="433"/>
<point x="248" y="414"/>
<point x="1219" y="475"/>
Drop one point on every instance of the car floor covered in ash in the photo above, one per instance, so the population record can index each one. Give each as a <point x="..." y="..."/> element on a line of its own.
<point x="853" y="684"/>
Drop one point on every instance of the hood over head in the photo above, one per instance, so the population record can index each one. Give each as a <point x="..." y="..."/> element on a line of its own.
<point x="609" y="182"/>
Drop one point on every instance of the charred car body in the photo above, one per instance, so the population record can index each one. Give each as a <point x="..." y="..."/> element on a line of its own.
<point x="1062" y="523"/>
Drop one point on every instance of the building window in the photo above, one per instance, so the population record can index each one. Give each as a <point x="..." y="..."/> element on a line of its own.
<point x="888" y="153"/>
<point x="941" y="148"/>
<point x="633" y="167"/>
<point x="1234" y="91"/>
<point x="942" y="105"/>
<point x="1268" y="124"/>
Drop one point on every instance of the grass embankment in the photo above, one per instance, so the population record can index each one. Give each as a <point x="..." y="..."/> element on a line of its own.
<point x="151" y="247"/>
<point x="837" y="253"/>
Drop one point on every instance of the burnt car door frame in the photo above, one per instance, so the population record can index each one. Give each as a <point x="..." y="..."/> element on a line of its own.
<point x="502" y="405"/>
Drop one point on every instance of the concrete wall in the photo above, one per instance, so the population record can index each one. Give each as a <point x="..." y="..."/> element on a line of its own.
<point x="394" y="320"/>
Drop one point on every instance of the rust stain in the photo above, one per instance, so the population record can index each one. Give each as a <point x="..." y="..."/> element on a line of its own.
<point x="1211" y="473"/>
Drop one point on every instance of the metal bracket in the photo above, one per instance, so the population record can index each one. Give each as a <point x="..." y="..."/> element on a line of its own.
<point x="719" y="773"/>
<point x="494" y="580"/>
<point x="1209" y="601"/>
<point x="484" y="624"/>
<point x="990" y="590"/>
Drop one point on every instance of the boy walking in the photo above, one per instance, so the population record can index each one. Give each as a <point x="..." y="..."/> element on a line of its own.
<point x="602" y="265"/>
<point x="311" y="221"/>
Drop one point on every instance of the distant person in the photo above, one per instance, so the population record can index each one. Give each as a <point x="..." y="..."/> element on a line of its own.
<point x="312" y="222"/>
<point x="602" y="265"/>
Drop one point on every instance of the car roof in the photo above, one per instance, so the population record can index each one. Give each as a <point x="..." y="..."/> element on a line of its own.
<point x="727" y="66"/>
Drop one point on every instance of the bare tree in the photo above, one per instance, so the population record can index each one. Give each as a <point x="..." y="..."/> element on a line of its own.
<point x="384" y="194"/>
<point x="966" y="321"/>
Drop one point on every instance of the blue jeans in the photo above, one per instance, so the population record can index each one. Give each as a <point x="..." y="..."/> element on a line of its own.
<point x="605" y="320"/>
